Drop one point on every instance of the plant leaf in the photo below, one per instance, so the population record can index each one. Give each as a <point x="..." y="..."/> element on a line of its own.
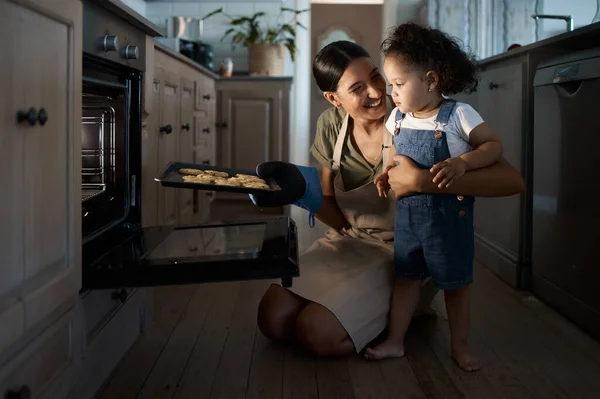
<point x="210" y="14"/>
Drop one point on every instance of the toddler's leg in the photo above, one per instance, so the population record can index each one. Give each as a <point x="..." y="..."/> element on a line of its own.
<point x="404" y="301"/>
<point x="458" y="308"/>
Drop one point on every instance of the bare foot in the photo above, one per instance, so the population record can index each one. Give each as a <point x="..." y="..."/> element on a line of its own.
<point x="386" y="349"/>
<point x="465" y="360"/>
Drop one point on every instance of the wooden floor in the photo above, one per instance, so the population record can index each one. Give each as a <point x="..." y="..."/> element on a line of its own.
<point x="204" y="343"/>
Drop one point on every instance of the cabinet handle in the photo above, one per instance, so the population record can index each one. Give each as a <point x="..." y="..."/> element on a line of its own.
<point x="120" y="295"/>
<point x="221" y="124"/>
<point x="209" y="193"/>
<point x="494" y="85"/>
<point x="206" y="162"/>
<point x="42" y="116"/>
<point x="206" y="97"/>
<point x="28" y="116"/>
<point x="23" y="393"/>
<point x="186" y="127"/>
<point x="206" y="130"/>
<point x="166" y="129"/>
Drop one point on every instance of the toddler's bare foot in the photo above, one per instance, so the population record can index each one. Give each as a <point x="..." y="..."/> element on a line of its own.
<point x="465" y="360"/>
<point x="386" y="349"/>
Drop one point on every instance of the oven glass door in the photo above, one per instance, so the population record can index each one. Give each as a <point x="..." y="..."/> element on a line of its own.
<point x="198" y="254"/>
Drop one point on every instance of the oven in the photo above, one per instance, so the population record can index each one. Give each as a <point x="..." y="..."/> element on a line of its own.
<point x="111" y="123"/>
<point x="117" y="252"/>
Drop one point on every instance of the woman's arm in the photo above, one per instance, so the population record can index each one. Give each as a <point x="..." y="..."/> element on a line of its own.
<point x="329" y="213"/>
<point x="497" y="180"/>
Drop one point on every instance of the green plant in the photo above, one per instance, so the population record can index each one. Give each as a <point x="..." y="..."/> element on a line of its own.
<point x="246" y="31"/>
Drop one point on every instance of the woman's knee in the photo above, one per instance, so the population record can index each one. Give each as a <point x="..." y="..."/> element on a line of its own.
<point x="277" y="313"/>
<point x="321" y="332"/>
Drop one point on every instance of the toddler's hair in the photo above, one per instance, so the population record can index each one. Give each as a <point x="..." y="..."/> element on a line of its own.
<point x="432" y="49"/>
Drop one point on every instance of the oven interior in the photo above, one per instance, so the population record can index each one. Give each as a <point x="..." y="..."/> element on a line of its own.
<point x="104" y="172"/>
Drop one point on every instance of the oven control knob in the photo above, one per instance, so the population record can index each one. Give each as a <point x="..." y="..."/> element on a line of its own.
<point x="131" y="52"/>
<point x="109" y="43"/>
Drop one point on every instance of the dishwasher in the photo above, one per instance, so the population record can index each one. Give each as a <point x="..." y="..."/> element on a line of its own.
<point x="566" y="192"/>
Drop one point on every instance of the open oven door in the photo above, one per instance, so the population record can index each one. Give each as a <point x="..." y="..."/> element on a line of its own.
<point x="197" y="254"/>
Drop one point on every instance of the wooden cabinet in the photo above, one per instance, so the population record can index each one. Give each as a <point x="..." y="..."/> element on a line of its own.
<point x="179" y="126"/>
<point x="253" y="123"/>
<point x="40" y="161"/>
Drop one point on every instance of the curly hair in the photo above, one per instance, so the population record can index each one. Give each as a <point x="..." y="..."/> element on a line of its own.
<point x="432" y="49"/>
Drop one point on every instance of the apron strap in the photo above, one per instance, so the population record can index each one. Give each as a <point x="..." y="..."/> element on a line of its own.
<point x="339" y="144"/>
<point x="387" y="143"/>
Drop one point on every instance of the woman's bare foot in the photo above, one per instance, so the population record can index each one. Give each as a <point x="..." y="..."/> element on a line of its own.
<point x="465" y="360"/>
<point x="386" y="349"/>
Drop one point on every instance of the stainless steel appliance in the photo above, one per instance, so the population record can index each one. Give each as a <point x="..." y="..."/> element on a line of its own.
<point x="565" y="256"/>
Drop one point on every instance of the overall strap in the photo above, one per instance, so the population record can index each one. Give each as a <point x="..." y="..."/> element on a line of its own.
<point x="445" y="112"/>
<point x="339" y="144"/>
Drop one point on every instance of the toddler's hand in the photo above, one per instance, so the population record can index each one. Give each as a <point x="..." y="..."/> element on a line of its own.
<point x="446" y="172"/>
<point x="383" y="186"/>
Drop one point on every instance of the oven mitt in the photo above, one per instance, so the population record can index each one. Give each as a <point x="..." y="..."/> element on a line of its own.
<point x="300" y="186"/>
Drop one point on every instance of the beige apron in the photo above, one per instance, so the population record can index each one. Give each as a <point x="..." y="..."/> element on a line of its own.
<point x="351" y="272"/>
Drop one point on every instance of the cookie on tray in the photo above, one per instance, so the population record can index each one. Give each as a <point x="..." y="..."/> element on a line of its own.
<point x="216" y="173"/>
<point x="190" y="171"/>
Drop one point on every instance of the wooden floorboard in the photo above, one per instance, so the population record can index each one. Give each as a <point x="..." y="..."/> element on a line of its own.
<point x="169" y="368"/>
<point x="204" y="344"/>
<point x="138" y="363"/>
<point x="197" y="379"/>
<point x="231" y="380"/>
<point x="299" y="374"/>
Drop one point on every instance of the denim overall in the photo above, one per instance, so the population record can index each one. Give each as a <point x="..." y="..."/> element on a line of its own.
<point x="433" y="233"/>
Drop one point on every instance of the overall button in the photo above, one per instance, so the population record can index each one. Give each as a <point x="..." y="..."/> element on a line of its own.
<point x="438" y="135"/>
<point x="460" y="197"/>
<point x="461" y="213"/>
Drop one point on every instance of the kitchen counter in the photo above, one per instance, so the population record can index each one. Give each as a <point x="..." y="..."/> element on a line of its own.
<point x="127" y="13"/>
<point x="578" y="39"/>
<point x="239" y="78"/>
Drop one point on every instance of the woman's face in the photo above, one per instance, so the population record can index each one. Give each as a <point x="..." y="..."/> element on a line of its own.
<point x="360" y="91"/>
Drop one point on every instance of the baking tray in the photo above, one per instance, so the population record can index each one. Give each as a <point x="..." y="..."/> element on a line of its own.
<point x="171" y="177"/>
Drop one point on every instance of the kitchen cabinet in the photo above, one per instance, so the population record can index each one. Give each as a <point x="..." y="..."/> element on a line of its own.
<point x="40" y="209"/>
<point x="504" y="99"/>
<point x="178" y="126"/>
<point x="253" y="123"/>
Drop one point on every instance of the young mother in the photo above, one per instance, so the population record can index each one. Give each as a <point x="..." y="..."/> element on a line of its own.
<point x="341" y="300"/>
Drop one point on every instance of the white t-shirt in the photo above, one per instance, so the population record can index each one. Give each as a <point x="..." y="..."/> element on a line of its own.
<point x="463" y="120"/>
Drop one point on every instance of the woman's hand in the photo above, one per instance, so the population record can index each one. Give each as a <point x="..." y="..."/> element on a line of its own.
<point x="405" y="178"/>
<point x="497" y="180"/>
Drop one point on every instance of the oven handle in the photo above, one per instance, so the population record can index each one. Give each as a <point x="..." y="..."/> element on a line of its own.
<point x="104" y="83"/>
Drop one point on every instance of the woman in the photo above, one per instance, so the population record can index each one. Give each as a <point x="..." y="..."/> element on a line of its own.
<point x="341" y="300"/>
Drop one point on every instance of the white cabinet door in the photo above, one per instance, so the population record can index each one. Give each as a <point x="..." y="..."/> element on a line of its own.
<point x="40" y="159"/>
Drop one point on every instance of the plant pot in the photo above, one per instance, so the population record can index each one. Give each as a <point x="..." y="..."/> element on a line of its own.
<point x="266" y="59"/>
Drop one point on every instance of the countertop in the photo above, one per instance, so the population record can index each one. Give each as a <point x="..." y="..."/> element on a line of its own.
<point x="578" y="39"/>
<point x="168" y="50"/>
<point x="121" y="9"/>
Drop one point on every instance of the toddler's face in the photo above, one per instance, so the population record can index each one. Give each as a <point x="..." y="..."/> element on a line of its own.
<point x="410" y="89"/>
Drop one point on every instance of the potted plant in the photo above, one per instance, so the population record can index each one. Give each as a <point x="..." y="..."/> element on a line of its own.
<point x="265" y="43"/>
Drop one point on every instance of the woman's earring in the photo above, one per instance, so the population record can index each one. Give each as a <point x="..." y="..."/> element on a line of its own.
<point x="429" y="90"/>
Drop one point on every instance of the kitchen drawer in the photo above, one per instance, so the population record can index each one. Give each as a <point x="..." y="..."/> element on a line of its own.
<point x="99" y="307"/>
<point x="204" y="131"/>
<point x="204" y="93"/>
<point x="12" y="321"/>
<point x="48" y="365"/>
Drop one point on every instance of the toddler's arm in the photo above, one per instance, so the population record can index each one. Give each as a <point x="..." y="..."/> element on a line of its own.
<point x="487" y="150"/>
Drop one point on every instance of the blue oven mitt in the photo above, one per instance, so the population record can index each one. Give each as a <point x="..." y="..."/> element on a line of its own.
<point x="299" y="185"/>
